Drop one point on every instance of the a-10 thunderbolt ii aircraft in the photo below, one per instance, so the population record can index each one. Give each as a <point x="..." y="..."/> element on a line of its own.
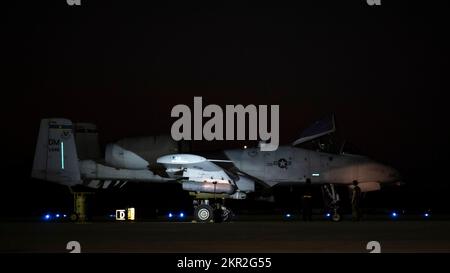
<point x="68" y="153"/>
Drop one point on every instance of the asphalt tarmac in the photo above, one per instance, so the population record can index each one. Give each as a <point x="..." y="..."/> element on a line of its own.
<point x="423" y="236"/>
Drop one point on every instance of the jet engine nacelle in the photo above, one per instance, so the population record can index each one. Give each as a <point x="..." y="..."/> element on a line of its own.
<point x="150" y="148"/>
<point x="118" y="157"/>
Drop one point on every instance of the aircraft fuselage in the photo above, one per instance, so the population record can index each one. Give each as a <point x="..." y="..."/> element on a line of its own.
<point x="290" y="164"/>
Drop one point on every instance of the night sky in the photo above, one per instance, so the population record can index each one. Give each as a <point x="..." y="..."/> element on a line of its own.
<point x="124" y="66"/>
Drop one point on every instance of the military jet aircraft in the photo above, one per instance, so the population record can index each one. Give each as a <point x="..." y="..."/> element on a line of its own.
<point x="69" y="154"/>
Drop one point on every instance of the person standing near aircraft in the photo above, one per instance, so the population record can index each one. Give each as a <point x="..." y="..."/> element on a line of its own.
<point x="307" y="201"/>
<point x="356" y="198"/>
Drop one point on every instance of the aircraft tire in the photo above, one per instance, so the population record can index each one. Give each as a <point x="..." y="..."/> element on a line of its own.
<point x="74" y="217"/>
<point x="228" y="216"/>
<point x="203" y="213"/>
<point x="336" y="217"/>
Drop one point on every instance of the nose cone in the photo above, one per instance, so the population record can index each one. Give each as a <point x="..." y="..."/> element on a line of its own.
<point x="375" y="171"/>
<point x="390" y="174"/>
<point x="394" y="174"/>
<point x="394" y="177"/>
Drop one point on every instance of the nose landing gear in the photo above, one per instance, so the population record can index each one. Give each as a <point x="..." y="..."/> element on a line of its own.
<point x="331" y="199"/>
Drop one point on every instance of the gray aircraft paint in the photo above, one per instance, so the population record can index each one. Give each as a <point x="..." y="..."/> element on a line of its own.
<point x="55" y="158"/>
<point x="291" y="164"/>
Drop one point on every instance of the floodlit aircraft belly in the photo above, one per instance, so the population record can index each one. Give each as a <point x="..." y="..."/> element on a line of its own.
<point x="373" y="171"/>
<point x="338" y="175"/>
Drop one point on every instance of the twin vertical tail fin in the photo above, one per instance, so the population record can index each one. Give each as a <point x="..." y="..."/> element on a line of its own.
<point x="56" y="157"/>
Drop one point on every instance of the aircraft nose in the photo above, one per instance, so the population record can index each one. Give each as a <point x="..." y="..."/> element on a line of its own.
<point x="394" y="174"/>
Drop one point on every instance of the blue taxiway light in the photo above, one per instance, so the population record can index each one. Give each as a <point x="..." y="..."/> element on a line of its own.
<point x="394" y="214"/>
<point x="426" y="215"/>
<point x="170" y="215"/>
<point x="181" y="215"/>
<point x="288" y="215"/>
<point x="47" y="217"/>
<point x="57" y="215"/>
<point x="328" y="215"/>
<point x="64" y="215"/>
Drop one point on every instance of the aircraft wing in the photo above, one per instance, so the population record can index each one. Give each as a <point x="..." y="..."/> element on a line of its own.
<point x="193" y="168"/>
<point x="320" y="128"/>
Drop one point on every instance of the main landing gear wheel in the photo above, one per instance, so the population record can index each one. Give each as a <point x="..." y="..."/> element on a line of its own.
<point x="222" y="214"/>
<point x="336" y="217"/>
<point x="74" y="217"/>
<point x="203" y="213"/>
<point x="227" y="215"/>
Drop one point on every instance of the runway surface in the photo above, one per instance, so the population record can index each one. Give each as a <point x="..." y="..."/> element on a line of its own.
<point x="234" y="237"/>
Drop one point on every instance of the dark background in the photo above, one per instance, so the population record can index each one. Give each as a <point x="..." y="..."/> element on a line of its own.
<point x="124" y="66"/>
